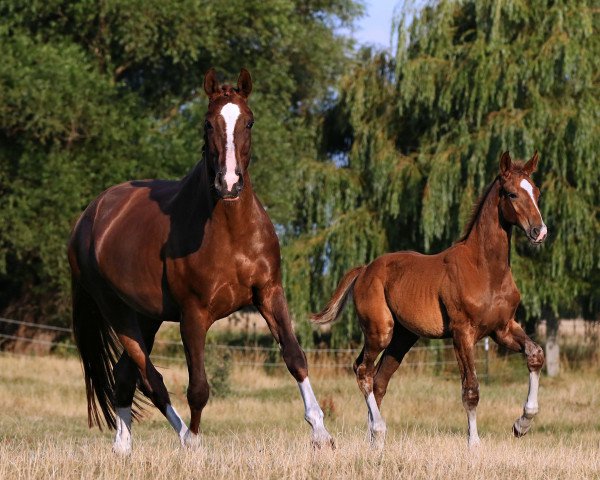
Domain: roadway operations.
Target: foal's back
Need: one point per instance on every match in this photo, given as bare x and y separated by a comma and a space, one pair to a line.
415, 287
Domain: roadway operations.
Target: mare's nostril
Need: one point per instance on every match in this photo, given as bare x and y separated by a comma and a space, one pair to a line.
535, 231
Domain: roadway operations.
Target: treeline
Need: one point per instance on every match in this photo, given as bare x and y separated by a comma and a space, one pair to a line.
355, 153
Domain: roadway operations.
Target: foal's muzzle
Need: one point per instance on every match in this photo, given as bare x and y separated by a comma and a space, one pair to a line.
226, 191
537, 234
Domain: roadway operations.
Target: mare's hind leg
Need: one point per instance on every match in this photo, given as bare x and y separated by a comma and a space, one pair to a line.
130, 335
402, 342
377, 325
272, 305
126, 376
514, 338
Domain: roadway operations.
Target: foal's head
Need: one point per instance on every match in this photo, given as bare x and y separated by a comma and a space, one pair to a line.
227, 131
519, 197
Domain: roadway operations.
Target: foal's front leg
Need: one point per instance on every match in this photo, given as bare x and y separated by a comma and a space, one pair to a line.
272, 305
514, 338
463, 348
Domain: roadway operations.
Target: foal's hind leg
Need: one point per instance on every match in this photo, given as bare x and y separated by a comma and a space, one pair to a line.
272, 305
402, 341
377, 324
126, 376
514, 338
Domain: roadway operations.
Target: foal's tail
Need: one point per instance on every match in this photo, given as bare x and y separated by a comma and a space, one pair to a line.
97, 345
338, 300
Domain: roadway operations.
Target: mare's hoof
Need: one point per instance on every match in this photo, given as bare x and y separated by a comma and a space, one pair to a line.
121, 450
474, 444
191, 441
519, 431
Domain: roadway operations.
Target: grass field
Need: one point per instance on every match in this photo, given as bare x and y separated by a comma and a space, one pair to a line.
259, 432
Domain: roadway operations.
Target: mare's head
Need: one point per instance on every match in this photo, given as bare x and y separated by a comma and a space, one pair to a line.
519, 197
227, 132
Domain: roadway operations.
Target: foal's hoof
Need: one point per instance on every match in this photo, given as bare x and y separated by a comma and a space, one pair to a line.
377, 439
322, 440
518, 430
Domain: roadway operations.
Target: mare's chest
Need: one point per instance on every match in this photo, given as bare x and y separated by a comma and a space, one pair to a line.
227, 265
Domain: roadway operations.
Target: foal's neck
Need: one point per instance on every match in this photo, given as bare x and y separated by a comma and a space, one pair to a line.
490, 238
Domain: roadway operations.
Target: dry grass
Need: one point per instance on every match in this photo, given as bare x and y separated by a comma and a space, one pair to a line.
258, 432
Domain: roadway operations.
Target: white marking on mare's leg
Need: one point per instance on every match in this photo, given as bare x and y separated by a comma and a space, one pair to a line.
377, 427
313, 414
122, 443
230, 113
185, 436
530, 409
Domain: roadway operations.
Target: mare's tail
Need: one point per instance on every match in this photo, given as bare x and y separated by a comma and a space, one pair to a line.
338, 300
97, 345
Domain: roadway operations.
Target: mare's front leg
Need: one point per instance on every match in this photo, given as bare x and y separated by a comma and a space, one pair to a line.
514, 338
464, 343
272, 305
194, 325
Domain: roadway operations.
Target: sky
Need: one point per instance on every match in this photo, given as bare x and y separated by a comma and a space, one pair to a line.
376, 26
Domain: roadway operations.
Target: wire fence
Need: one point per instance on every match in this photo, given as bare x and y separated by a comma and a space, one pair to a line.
437, 356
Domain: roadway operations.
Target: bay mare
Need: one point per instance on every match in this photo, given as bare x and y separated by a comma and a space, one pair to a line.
465, 293
190, 251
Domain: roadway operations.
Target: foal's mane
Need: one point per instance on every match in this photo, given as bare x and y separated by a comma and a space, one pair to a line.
477, 206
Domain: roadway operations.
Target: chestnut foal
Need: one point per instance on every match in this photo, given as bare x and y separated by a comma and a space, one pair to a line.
465, 293
189, 251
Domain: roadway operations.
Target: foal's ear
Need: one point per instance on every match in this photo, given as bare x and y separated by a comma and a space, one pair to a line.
531, 165
244, 84
505, 164
211, 84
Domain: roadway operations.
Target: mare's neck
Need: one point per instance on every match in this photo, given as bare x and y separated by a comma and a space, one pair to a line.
490, 236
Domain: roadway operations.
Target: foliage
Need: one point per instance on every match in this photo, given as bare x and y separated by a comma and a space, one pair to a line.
96, 93
417, 137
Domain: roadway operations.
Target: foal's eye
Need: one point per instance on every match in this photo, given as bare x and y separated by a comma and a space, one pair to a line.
207, 125
249, 124
512, 195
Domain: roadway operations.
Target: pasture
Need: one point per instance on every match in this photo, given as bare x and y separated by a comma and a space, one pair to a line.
258, 431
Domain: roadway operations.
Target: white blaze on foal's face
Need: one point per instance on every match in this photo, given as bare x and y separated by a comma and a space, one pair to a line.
526, 185
230, 113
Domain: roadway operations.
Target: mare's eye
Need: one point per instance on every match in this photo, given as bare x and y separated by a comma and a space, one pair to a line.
249, 124
512, 195
207, 125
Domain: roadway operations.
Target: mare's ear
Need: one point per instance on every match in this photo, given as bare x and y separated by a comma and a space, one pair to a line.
211, 84
505, 164
244, 83
531, 165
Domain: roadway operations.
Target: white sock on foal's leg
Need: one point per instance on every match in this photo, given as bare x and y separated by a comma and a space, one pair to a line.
474, 440
530, 409
314, 415
376, 424
122, 443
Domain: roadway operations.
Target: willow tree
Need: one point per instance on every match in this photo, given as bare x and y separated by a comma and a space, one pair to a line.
414, 139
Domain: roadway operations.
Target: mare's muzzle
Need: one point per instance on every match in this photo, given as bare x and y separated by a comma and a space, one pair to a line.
227, 188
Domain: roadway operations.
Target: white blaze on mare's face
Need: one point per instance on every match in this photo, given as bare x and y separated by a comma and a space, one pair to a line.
525, 185
230, 113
